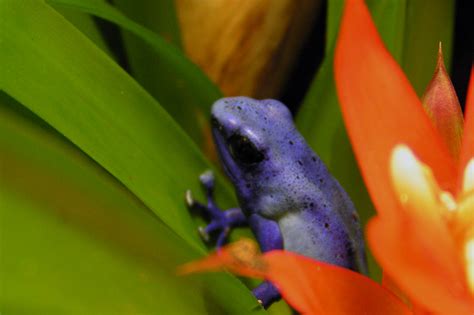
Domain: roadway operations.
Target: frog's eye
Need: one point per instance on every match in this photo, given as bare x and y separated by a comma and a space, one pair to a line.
243, 150
215, 123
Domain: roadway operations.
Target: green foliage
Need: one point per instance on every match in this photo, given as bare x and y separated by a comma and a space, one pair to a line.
179, 85
94, 162
146, 65
76, 241
103, 233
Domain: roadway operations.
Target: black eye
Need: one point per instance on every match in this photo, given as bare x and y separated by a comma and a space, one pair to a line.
215, 123
243, 150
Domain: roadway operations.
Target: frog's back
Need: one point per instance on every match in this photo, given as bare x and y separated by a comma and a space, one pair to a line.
325, 227
322, 222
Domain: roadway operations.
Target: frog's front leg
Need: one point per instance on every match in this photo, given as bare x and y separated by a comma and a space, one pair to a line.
221, 221
269, 237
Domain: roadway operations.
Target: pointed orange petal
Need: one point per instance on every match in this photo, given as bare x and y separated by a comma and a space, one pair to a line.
467, 151
314, 287
442, 105
311, 287
241, 257
381, 109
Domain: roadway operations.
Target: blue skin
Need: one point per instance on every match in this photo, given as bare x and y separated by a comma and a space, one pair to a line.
286, 194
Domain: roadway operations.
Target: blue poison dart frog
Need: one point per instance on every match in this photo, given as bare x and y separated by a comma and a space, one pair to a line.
285, 192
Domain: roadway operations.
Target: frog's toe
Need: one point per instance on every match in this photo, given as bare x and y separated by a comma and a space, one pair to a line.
195, 205
221, 226
189, 198
222, 239
204, 234
207, 180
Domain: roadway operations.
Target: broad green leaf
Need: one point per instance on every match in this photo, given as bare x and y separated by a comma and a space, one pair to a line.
158, 16
76, 241
181, 87
411, 31
85, 23
147, 66
52, 69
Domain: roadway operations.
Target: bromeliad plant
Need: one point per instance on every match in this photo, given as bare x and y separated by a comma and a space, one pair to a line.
420, 176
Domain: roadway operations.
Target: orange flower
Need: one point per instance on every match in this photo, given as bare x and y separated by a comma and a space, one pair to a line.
423, 234
420, 177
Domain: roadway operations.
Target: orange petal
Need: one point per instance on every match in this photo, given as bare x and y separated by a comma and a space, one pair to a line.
442, 105
415, 270
381, 109
311, 287
388, 283
427, 265
467, 151
314, 287
241, 257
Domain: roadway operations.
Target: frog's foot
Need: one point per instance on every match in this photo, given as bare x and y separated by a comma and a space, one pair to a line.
221, 221
266, 294
211, 209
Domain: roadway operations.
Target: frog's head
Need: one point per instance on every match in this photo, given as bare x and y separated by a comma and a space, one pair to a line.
246, 131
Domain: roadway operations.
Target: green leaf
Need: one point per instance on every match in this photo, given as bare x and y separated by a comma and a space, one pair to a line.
149, 68
57, 73
411, 31
86, 25
74, 87
428, 22
180, 86
158, 16
76, 241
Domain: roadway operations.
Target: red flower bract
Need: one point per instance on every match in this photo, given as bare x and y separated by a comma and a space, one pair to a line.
415, 245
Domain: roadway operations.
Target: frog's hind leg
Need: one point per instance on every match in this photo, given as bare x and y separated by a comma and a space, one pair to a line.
221, 221
266, 294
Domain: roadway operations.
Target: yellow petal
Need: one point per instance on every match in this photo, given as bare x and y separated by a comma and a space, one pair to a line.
414, 182
465, 232
415, 245
468, 179
469, 260
463, 223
